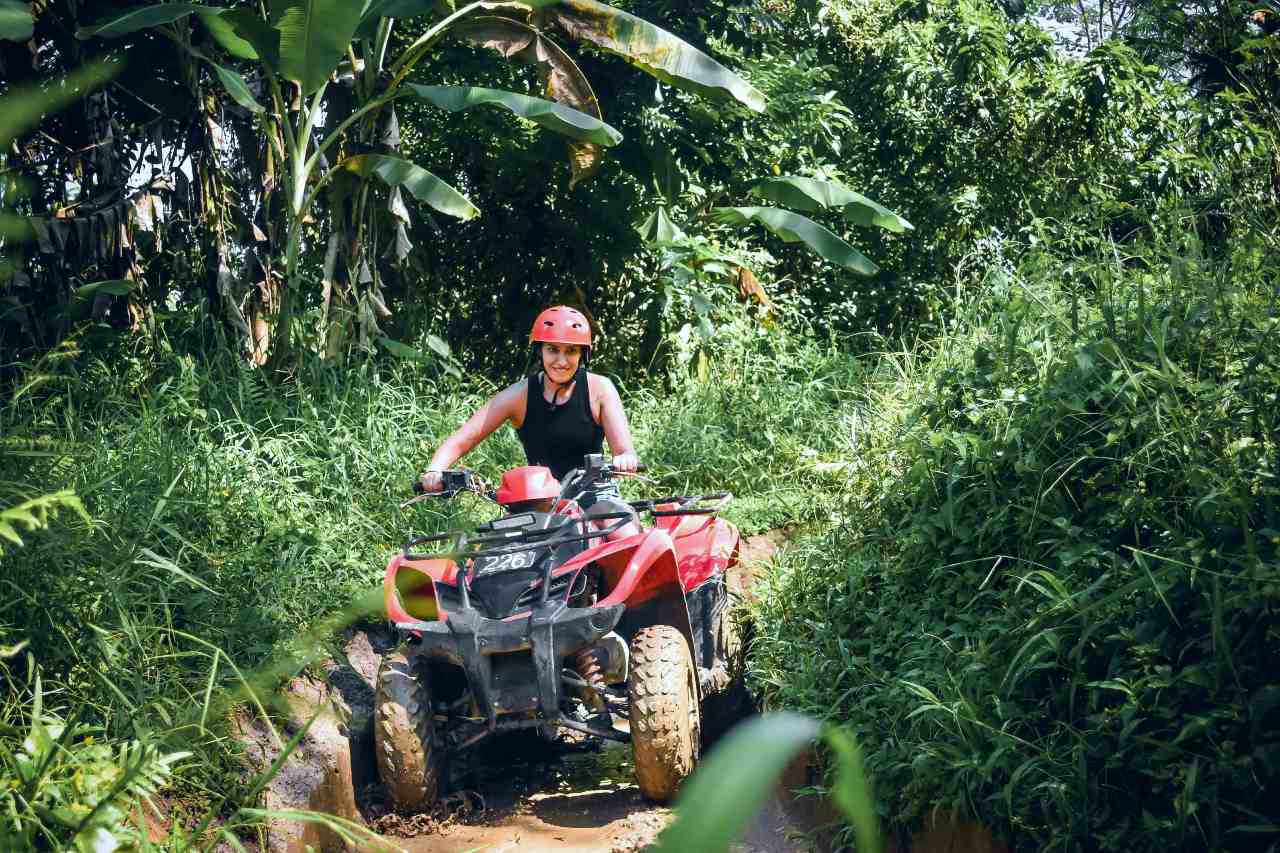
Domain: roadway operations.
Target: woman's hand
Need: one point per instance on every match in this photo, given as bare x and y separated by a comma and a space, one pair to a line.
432, 481
626, 463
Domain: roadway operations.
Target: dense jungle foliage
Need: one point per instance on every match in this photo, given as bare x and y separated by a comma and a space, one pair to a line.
1018, 400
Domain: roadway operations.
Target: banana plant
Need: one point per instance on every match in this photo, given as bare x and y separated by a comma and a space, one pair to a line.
810, 195
689, 260
300, 50
16, 23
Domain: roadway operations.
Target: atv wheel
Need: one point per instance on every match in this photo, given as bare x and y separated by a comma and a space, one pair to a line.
409, 759
728, 699
665, 721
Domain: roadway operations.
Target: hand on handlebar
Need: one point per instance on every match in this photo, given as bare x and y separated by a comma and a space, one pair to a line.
430, 481
626, 463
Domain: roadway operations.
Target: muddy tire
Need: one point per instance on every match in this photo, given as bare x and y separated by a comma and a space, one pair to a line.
409, 758
728, 700
666, 723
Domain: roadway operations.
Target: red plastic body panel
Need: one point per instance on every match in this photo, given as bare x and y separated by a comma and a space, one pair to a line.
684, 551
650, 567
419, 593
703, 549
528, 483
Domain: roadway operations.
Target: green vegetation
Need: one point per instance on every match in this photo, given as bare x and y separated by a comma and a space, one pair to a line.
1006, 351
1055, 578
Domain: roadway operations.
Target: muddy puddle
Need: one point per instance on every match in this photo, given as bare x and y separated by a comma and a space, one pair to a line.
520, 793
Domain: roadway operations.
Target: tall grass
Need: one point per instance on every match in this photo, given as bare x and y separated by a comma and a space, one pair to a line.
1054, 593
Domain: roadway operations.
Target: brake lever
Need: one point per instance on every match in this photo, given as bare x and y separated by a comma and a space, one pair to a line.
422, 497
636, 476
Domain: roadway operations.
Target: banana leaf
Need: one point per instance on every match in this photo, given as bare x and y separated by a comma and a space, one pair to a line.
549, 114
652, 49
314, 35
114, 287
424, 186
244, 35
794, 228
562, 79
139, 18
810, 194
658, 228
236, 88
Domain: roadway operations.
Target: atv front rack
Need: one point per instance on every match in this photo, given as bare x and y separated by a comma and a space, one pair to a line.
512, 534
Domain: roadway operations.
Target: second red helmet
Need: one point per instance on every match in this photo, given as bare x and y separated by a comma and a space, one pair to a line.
561, 325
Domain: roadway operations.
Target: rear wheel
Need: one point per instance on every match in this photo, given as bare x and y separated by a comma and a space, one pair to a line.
728, 699
666, 726
409, 758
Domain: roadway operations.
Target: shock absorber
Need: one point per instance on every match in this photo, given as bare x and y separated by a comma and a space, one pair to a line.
588, 666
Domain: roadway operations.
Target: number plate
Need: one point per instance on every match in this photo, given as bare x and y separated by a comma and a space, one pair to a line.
506, 562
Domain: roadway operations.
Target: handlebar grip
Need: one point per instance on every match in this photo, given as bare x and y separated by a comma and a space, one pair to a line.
417, 486
642, 468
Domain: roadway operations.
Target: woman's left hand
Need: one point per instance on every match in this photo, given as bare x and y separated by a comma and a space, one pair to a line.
626, 463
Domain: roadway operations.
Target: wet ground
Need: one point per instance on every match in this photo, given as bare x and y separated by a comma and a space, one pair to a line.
524, 795
521, 793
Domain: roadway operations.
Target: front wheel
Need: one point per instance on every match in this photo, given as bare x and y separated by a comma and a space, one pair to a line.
666, 727
409, 758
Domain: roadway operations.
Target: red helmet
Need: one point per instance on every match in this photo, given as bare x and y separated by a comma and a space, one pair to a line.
561, 325
529, 483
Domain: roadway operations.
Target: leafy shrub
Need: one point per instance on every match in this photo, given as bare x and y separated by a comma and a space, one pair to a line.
1054, 598
62, 789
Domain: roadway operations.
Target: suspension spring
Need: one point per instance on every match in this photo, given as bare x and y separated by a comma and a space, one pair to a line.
588, 666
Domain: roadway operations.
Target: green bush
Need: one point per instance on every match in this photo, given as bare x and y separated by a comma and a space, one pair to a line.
1053, 601
63, 789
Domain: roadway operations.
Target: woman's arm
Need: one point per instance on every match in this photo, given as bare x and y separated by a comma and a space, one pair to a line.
506, 405
616, 429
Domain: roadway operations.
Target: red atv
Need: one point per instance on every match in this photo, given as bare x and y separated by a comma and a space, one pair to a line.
529, 620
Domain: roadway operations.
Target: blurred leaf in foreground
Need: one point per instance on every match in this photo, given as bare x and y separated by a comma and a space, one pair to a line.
24, 107
733, 781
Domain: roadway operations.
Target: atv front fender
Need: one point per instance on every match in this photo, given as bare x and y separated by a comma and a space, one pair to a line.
649, 569
408, 590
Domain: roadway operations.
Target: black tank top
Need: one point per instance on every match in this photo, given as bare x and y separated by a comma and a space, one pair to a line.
559, 436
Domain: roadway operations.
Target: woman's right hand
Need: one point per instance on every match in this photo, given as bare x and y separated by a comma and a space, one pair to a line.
432, 481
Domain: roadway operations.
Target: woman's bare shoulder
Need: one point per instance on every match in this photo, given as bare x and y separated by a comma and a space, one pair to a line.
517, 387
507, 404
596, 382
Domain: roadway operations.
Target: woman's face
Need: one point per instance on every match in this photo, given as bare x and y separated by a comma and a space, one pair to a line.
560, 361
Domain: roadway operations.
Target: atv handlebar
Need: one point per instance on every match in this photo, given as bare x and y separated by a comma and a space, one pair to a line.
454, 481
595, 471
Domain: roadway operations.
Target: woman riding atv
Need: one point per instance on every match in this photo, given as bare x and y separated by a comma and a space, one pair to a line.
561, 412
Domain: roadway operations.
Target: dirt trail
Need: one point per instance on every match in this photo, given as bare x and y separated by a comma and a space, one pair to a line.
521, 794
